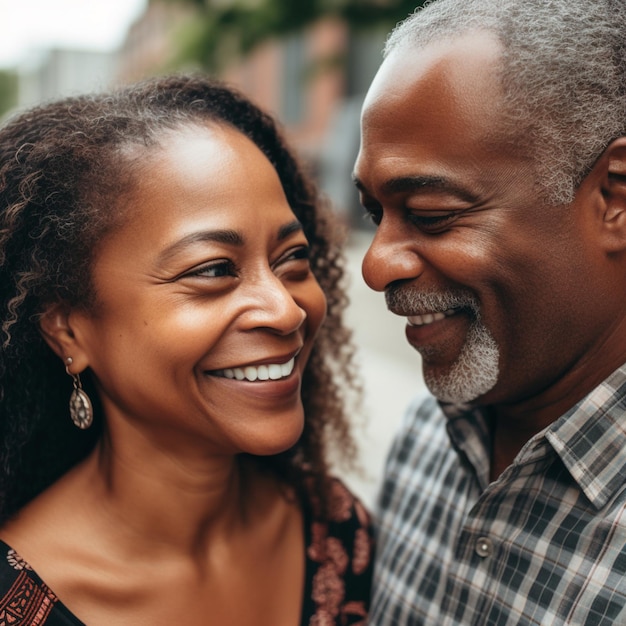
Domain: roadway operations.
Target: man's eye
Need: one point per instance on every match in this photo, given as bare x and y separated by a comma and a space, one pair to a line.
432, 223
373, 215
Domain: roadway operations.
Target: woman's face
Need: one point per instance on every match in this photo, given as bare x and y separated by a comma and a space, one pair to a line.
206, 305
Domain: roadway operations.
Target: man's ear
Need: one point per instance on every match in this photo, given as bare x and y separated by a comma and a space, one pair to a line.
613, 181
59, 330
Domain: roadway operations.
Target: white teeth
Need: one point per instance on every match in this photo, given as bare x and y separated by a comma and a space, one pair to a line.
428, 318
275, 371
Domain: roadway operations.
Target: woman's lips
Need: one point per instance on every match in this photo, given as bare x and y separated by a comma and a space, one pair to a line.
252, 373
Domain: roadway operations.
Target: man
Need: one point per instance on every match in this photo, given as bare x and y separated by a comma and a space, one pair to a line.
493, 162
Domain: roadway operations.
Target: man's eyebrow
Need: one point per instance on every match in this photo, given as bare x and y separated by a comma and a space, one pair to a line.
417, 183
228, 237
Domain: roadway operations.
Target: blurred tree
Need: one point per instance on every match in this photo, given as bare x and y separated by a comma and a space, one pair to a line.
8, 91
224, 27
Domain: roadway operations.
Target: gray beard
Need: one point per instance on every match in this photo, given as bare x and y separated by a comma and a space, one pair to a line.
476, 370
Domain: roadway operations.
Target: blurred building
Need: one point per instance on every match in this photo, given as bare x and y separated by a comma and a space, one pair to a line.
312, 81
49, 74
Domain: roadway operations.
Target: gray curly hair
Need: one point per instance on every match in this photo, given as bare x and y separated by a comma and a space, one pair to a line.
563, 75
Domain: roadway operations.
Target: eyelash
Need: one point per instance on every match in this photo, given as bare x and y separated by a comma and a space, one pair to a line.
431, 222
427, 223
294, 263
302, 252
225, 264
225, 267
373, 216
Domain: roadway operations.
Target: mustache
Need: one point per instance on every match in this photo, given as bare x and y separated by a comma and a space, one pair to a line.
405, 300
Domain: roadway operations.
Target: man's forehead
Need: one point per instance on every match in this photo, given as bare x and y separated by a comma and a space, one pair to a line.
436, 112
459, 62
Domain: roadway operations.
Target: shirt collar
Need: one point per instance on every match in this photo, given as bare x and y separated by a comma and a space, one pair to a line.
590, 439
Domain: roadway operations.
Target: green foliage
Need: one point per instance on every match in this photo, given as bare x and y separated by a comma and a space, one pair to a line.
223, 28
8, 91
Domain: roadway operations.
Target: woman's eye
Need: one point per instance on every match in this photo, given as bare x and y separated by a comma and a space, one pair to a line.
302, 252
295, 259
295, 254
215, 269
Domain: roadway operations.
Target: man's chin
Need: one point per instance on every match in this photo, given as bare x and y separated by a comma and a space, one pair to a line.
453, 393
473, 374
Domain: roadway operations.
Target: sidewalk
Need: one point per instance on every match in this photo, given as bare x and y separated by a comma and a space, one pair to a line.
390, 368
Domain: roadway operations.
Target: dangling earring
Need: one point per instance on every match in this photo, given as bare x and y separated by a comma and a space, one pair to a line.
81, 410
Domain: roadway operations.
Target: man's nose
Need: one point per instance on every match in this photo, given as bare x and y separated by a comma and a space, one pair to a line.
391, 257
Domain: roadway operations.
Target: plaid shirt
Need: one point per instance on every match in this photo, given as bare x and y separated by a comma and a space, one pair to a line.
544, 544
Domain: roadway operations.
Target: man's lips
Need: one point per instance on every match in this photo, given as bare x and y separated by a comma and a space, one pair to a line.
428, 318
444, 334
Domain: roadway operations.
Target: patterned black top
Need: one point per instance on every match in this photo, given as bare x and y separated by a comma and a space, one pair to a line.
337, 582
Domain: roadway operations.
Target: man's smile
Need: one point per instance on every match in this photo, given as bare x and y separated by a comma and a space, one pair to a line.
429, 318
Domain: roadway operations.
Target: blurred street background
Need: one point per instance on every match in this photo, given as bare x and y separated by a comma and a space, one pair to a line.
390, 368
308, 63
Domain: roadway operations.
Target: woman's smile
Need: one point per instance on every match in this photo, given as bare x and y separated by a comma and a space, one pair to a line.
208, 303
263, 372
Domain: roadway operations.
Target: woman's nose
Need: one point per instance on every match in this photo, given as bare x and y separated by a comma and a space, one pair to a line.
273, 307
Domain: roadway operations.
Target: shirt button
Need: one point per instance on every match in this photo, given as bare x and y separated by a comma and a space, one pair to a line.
484, 547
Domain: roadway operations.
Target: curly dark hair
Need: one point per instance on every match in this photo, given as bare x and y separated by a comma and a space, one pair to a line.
64, 168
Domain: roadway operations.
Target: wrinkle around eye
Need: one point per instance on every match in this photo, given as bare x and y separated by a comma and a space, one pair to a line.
297, 252
295, 264
433, 223
218, 269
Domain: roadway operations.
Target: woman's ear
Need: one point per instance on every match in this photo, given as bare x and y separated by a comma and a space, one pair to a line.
613, 162
56, 325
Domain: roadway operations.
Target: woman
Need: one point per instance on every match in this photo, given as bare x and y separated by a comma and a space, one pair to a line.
161, 251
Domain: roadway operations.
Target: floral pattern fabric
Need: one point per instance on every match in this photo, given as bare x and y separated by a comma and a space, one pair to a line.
338, 562
337, 579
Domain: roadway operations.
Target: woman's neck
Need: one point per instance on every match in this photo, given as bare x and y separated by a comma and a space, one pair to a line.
178, 502
162, 535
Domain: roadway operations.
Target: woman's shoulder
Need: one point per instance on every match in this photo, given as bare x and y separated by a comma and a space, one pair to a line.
24, 597
22, 592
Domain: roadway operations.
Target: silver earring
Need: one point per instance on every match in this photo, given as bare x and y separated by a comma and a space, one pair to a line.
81, 410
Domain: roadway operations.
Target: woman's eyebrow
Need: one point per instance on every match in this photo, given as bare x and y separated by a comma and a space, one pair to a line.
225, 236
289, 229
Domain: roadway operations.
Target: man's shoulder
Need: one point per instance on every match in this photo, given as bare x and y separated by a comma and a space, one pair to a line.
421, 443
423, 421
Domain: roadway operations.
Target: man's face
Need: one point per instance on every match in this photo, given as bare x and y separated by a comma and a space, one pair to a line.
500, 290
